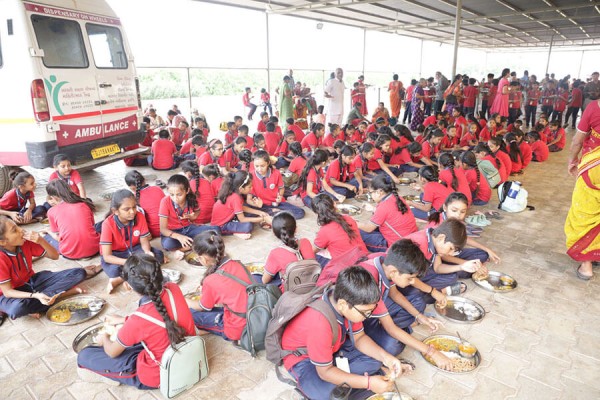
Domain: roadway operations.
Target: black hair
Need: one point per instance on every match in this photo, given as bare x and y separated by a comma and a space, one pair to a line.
270, 127
534, 135
263, 155
21, 178
514, 151
258, 137
296, 149
318, 157
383, 182
404, 132
434, 133
323, 206
211, 170
429, 173
209, 243
497, 140
468, 158
240, 140
245, 157
243, 128
356, 286
117, 199
233, 182
381, 140
373, 136
164, 134
452, 197
135, 178
60, 158
273, 119
191, 166
366, 148
317, 127
455, 232
346, 151
142, 272
59, 188
146, 120
198, 140
414, 148
406, 256
483, 147
446, 160
182, 181
284, 229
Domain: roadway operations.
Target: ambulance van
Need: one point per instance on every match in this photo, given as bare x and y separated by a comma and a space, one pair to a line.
67, 85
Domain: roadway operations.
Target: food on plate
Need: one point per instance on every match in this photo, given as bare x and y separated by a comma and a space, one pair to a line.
256, 268
462, 365
60, 315
480, 274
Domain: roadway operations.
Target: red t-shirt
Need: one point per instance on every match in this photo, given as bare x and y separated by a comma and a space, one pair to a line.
298, 131
515, 99
540, 150
526, 153
148, 139
432, 119
466, 139
297, 165
267, 187
506, 162
246, 99
423, 239
207, 158
548, 97
463, 184
533, 95
357, 137
206, 199
150, 198
333, 238
271, 142
459, 123
470, 95
485, 192
14, 200
74, 224
137, 330
265, 97
329, 140
372, 164
516, 166
560, 103
436, 194
371, 265
223, 213
72, 180
485, 134
359, 164
576, 97
316, 177
448, 142
17, 268
174, 213
261, 127
335, 171
178, 136
282, 256
282, 149
123, 237
428, 151
163, 151
218, 289
249, 141
310, 142
231, 157
186, 147
392, 224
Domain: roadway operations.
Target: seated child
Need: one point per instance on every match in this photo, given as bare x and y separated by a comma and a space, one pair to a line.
163, 153
214, 155
312, 141
481, 193
339, 176
271, 139
377, 164
283, 150
557, 137
433, 193
243, 132
311, 180
490, 165
231, 157
362, 173
64, 170
14, 202
539, 149
453, 178
514, 153
202, 189
148, 198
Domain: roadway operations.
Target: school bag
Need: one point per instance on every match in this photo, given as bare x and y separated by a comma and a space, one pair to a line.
333, 268
301, 275
261, 300
180, 367
289, 306
513, 197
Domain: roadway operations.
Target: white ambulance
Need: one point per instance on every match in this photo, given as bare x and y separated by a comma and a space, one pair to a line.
68, 84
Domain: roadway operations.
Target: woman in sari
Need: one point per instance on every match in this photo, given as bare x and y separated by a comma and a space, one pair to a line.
452, 95
395, 87
362, 95
418, 113
500, 104
582, 226
286, 103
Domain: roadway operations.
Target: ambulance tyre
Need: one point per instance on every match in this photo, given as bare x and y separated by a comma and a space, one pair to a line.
7, 174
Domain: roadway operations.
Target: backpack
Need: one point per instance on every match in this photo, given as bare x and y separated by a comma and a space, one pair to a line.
512, 197
300, 275
181, 367
333, 268
289, 306
261, 300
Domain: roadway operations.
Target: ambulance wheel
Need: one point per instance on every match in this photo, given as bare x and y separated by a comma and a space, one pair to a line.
5, 180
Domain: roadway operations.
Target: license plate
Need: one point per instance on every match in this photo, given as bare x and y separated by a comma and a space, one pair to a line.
105, 151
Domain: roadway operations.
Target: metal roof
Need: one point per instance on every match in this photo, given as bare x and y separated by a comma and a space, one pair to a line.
485, 23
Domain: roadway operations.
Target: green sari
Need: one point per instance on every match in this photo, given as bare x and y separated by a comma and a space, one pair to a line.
286, 104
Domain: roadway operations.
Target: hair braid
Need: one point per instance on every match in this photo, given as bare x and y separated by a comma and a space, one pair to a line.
399, 203
175, 332
288, 239
211, 244
139, 184
197, 179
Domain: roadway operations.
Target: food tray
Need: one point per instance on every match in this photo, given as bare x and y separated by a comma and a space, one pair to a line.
348, 209
390, 396
411, 197
194, 296
256, 267
192, 258
498, 282
87, 337
450, 352
365, 198
171, 275
461, 310
73, 310
405, 181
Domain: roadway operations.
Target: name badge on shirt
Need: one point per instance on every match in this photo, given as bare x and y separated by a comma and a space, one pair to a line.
136, 233
272, 186
343, 364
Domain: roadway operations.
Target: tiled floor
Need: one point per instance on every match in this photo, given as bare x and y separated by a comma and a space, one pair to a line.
538, 342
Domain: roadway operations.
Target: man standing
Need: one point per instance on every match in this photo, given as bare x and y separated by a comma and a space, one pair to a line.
334, 91
441, 85
591, 91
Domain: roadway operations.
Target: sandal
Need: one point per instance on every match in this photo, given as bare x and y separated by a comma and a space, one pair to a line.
92, 270
160, 184
457, 288
582, 276
493, 214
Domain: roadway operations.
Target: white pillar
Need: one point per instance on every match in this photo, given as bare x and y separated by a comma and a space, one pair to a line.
456, 37
549, 53
580, 64
268, 55
364, 49
421, 61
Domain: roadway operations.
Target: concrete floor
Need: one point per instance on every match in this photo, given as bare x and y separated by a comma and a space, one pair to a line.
538, 342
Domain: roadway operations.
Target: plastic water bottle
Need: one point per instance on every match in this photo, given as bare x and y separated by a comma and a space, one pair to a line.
515, 187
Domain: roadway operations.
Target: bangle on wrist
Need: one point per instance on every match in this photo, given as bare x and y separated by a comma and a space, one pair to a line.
432, 289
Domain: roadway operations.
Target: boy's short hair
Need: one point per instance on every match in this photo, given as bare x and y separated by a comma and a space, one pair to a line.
263, 90
237, 118
198, 119
196, 132
185, 123
146, 120
198, 140
211, 170
230, 124
264, 114
290, 121
554, 123
356, 286
455, 232
172, 113
406, 256
239, 140
289, 133
259, 137
164, 134
270, 127
274, 119
243, 128
519, 122
60, 157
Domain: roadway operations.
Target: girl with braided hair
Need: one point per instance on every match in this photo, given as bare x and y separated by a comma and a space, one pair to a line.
498, 150
392, 219
289, 250
337, 233
490, 165
148, 197
480, 188
202, 189
433, 193
125, 360
218, 289
454, 178
339, 174
178, 212
311, 180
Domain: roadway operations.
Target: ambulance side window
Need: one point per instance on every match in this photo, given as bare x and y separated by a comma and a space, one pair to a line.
61, 41
107, 46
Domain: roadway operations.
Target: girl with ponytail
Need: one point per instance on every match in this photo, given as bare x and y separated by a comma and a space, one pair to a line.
335, 133
289, 250
311, 180
202, 189
366, 152
218, 289
514, 152
433, 193
453, 178
339, 176
337, 233
148, 198
431, 145
313, 140
479, 186
496, 145
493, 170
125, 360
392, 219
177, 212
377, 164
214, 155
228, 212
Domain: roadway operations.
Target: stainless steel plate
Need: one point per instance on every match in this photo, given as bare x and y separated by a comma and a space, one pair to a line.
194, 296
461, 310
451, 351
390, 396
405, 181
193, 259
73, 310
366, 198
171, 275
87, 337
256, 267
348, 209
498, 282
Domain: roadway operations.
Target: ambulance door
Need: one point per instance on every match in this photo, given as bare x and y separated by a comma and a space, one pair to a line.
115, 80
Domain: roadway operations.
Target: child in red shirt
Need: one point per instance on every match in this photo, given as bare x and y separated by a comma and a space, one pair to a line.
488, 131
514, 153
71, 220
243, 132
231, 155
262, 124
148, 198
560, 103
450, 140
470, 94
433, 196
430, 146
64, 170
181, 134
298, 132
163, 153
202, 189
265, 101
538, 147
283, 150
525, 148
311, 180
271, 139
335, 133
312, 141
557, 138
481, 192
214, 155
454, 178
469, 139
496, 145
14, 202
162, 308
514, 102
339, 176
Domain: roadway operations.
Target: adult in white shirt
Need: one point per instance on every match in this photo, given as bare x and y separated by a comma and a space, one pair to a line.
334, 91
